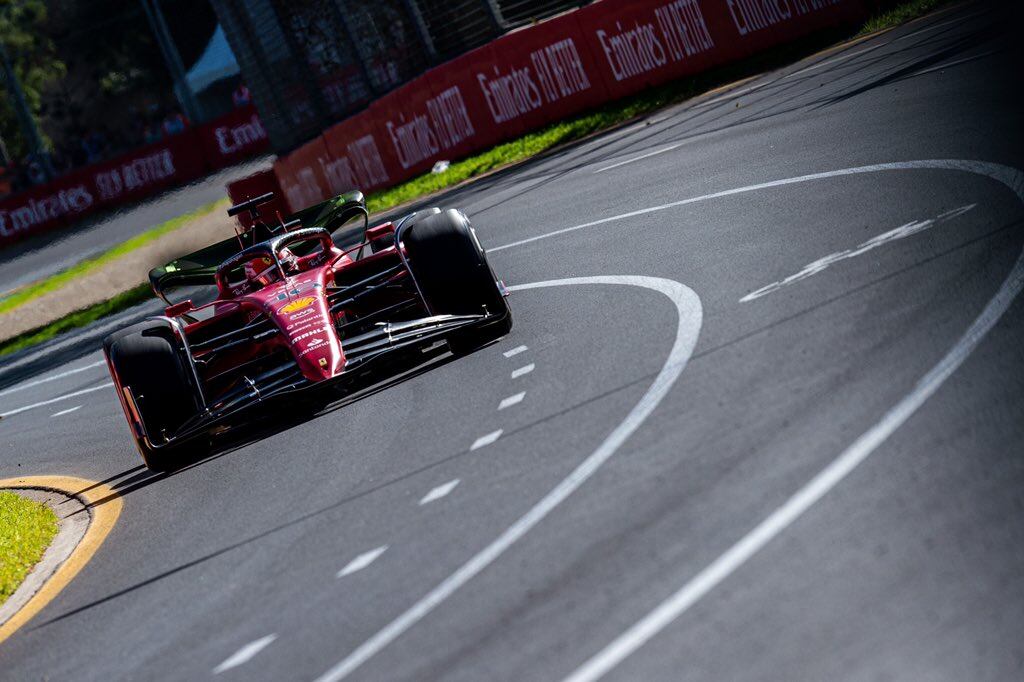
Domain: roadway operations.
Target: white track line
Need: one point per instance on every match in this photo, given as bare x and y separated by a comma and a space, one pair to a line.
439, 492
977, 167
515, 351
67, 411
362, 561
780, 519
56, 400
512, 400
640, 158
688, 327
486, 440
245, 654
689, 308
516, 373
30, 384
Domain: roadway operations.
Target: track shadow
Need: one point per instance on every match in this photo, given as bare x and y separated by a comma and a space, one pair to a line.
274, 417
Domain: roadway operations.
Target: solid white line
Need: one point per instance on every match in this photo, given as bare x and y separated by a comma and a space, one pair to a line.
690, 309
30, 384
640, 158
515, 351
516, 373
512, 400
439, 492
780, 519
688, 327
67, 411
978, 167
245, 654
486, 440
57, 399
362, 561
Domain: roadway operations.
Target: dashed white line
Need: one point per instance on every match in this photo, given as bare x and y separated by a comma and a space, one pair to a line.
688, 327
515, 351
486, 440
362, 561
640, 158
690, 315
512, 400
67, 411
828, 478
56, 400
439, 492
245, 654
55, 377
523, 370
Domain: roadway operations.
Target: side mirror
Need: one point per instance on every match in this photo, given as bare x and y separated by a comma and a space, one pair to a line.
179, 309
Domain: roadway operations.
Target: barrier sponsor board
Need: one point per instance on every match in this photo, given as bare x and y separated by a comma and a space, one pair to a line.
543, 73
359, 157
236, 136
302, 175
138, 174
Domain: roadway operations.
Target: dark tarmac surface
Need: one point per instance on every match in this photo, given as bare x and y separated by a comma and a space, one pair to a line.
908, 567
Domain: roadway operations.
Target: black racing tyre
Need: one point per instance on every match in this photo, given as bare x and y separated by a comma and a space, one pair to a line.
147, 360
452, 271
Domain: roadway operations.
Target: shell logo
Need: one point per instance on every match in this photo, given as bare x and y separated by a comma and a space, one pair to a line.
297, 304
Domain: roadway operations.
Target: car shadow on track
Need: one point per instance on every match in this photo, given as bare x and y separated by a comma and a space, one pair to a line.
277, 416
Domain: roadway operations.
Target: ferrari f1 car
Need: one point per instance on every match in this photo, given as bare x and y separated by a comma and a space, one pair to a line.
292, 310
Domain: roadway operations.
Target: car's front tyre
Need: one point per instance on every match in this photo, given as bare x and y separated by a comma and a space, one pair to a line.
455, 277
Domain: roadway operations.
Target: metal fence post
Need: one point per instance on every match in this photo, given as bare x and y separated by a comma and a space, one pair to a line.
421, 28
494, 12
173, 59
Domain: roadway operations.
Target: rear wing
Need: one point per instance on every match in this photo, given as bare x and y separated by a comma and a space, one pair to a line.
200, 268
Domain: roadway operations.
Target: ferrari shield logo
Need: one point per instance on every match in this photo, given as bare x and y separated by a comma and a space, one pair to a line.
298, 304
323, 362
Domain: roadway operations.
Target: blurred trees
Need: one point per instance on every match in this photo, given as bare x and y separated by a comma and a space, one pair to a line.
34, 60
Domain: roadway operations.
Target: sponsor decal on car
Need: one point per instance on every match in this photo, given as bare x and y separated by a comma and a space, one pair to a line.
297, 304
306, 335
302, 314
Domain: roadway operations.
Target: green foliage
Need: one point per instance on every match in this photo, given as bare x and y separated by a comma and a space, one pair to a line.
26, 530
77, 319
901, 13
32, 55
65, 277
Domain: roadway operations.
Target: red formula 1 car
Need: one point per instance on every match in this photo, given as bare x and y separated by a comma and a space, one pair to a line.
293, 311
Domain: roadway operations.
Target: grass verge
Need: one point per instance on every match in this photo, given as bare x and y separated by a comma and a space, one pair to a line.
504, 154
901, 13
26, 530
64, 277
79, 318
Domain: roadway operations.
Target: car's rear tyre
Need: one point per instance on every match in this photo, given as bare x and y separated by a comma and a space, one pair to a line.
146, 360
452, 271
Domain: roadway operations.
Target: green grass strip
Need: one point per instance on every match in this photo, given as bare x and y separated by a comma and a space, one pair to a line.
79, 318
63, 278
504, 154
900, 14
26, 530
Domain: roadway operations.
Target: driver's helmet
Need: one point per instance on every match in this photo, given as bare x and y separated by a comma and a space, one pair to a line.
259, 270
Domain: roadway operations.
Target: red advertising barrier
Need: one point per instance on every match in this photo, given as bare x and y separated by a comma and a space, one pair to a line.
543, 73
361, 155
302, 175
138, 174
256, 185
233, 137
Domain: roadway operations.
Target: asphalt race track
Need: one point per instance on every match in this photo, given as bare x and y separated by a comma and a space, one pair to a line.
761, 419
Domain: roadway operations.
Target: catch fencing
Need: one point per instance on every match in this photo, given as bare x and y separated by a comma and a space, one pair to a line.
531, 77
311, 63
